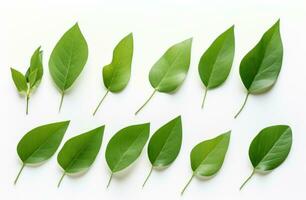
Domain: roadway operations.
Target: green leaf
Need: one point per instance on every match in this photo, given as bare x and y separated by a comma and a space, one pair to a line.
207, 157
19, 81
269, 149
170, 71
216, 63
164, 146
68, 59
117, 74
36, 66
39, 144
126, 146
79, 152
260, 68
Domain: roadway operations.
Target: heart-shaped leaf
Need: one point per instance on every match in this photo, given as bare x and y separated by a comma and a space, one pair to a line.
269, 149
40, 144
260, 68
165, 144
207, 157
216, 63
79, 152
117, 74
68, 59
170, 71
125, 147
27, 83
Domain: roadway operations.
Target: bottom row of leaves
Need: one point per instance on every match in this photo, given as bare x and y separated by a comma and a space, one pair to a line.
267, 151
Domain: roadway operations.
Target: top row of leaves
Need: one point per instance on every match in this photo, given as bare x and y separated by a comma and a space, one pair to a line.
259, 69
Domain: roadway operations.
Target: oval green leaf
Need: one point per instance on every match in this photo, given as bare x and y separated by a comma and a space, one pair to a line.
40, 144
170, 71
117, 74
126, 146
216, 63
20, 81
208, 156
260, 68
79, 152
165, 144
270, 148
68, 59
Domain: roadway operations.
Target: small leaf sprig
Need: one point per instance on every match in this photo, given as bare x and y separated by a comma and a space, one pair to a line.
27, 83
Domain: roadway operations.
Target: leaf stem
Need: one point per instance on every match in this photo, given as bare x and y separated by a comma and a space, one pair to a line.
151, 170
60, 181
27, 104
187, 184
145, 102
18, 175
100, 103
253, 172
205, 94
245, 100
61, 103
110, 180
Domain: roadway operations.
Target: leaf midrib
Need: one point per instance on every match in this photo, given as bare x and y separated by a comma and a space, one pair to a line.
69, 65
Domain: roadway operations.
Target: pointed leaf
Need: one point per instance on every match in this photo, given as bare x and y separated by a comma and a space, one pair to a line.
19, 81
32, 78
216, 63
169, 72
79, 152
117, 74
68, 58
41, 143
35, 65
207, 157
126, 146
165, 144
270, 147
260, 68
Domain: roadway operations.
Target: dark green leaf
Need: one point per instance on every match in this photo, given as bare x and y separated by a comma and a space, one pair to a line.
216, 63
164, 146
41, 143
79, 152
260, 68
270, 148
68, 59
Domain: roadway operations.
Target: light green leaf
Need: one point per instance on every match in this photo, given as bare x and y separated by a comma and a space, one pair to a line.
269, 149
165, 144
117, 74
170, 71
79, 152
35, 65
125, 147
68, 59
19, 81
40, 144
207, 157
260, 68
216, 63
32, 78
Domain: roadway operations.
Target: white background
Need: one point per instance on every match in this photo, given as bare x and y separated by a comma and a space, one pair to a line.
156, 25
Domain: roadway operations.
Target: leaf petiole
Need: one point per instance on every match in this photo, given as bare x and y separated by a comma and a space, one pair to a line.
27, 103
246, 98
60, 181
145, 102
100, 103
253, 172
23, 165
205, 94
110, 180
61, 103
151, 170
187, 184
